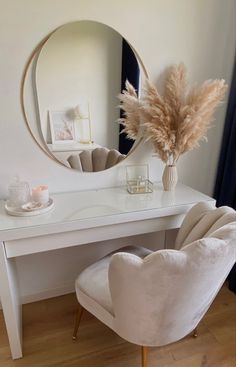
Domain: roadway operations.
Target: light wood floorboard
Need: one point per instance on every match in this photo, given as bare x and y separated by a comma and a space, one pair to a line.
48, 328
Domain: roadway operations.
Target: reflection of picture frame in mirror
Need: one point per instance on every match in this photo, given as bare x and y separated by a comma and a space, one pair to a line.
62, 128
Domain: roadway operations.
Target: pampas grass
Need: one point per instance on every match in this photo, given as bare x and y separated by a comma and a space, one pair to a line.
176, 121
130, 104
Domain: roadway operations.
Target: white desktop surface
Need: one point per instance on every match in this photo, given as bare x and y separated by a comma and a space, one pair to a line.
83, 206
70, 147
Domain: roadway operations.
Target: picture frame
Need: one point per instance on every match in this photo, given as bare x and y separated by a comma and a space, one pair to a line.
62, 128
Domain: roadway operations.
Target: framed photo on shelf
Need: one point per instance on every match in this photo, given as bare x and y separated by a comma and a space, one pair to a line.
62, 128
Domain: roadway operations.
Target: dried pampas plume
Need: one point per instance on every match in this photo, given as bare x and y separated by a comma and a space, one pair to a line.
130, 104
176, 121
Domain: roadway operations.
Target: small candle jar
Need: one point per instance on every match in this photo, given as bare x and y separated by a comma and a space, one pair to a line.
40, 194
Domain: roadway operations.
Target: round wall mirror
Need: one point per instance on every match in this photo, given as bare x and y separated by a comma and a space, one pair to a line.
70, 95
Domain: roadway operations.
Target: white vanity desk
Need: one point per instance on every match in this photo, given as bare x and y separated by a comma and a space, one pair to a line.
80, 218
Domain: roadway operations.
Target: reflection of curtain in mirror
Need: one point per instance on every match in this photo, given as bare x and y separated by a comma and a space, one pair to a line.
130, 71
225, 187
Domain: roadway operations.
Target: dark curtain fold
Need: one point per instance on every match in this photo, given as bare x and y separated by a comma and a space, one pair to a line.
225, 187
130, 71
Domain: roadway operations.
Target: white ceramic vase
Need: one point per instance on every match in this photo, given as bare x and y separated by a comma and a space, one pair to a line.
169, 177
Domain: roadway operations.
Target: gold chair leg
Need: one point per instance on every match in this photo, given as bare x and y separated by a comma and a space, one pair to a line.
77, 322
144, 356
195, 333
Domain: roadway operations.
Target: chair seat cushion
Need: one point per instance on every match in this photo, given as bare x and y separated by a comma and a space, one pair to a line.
93, 281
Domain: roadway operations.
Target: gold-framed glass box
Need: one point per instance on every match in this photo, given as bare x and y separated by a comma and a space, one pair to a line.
137, 179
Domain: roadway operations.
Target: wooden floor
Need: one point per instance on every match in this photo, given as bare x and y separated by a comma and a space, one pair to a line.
48, 327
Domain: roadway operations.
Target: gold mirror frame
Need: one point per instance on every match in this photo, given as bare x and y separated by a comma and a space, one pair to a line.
37, 50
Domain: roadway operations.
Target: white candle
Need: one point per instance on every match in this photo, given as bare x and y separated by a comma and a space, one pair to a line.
40, 194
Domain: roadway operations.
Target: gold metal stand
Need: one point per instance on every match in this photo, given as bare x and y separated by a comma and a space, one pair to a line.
77, 322
144, 356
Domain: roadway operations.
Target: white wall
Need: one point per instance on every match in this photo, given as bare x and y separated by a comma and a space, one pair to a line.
81, 64
199, 32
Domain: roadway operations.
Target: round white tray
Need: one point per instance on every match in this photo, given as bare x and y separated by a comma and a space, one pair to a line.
19, 212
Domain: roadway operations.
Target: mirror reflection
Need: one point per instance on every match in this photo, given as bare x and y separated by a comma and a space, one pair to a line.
78, 73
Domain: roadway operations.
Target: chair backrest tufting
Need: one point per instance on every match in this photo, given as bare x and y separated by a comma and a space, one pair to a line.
202, 221
95, 160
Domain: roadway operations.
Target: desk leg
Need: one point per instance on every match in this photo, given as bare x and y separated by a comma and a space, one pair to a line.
10, 303
170, 237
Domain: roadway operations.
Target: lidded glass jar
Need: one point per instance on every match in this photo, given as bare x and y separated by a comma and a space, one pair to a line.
19, 192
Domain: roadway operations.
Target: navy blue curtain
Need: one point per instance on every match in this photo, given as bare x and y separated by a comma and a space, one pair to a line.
130, 71
225, 188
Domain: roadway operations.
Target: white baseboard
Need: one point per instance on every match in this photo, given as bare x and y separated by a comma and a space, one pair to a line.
48, 293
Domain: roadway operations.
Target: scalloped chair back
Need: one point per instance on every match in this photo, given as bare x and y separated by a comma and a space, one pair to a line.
95, 160
156, 298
